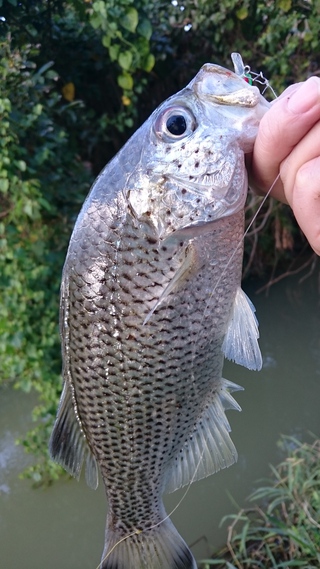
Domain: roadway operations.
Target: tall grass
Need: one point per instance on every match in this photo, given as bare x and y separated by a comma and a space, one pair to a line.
282, 528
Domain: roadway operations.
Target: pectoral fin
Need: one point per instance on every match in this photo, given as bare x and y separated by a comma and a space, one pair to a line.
210, 447
241, 340
177, 278
68, 445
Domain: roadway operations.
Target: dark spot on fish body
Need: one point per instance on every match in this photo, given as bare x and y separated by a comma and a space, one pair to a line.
126, 276
151, 240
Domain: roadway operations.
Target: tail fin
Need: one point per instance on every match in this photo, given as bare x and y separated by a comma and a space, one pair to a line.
160, 547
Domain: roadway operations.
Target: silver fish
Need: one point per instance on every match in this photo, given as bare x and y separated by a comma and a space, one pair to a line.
150, 304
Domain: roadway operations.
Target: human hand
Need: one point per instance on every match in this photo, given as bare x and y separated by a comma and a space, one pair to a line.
288, 143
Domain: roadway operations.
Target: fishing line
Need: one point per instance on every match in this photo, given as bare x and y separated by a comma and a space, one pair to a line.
241, 241
219, 280
249, 76
168, 516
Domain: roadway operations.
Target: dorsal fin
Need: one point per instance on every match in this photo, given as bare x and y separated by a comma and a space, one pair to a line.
68, 445
241, 340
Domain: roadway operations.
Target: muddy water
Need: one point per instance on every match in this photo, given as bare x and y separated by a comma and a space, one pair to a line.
62, 527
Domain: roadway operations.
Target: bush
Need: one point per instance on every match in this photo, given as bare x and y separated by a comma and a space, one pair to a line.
39, 173
283, 530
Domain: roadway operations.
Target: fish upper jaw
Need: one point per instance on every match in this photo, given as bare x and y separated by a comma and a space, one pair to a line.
224, 87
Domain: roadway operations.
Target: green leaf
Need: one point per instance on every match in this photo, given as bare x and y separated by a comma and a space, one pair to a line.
285, 5
143, 47
113, 52
21, 165
28, 208
4, 185
130, 20
149, 63
242, 13
129, 122
37, 109
144, 28
100, 8
125, 60
106, 41
96, 21
125, 81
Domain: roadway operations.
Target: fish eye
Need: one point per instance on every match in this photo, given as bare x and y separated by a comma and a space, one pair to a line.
175, 123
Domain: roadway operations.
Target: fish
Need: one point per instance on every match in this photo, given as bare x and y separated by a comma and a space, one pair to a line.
151, 304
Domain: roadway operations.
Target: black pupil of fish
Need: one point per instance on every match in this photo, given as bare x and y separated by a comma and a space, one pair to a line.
176, 124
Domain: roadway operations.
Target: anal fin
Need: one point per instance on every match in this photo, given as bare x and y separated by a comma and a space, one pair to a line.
68, 446
209, 447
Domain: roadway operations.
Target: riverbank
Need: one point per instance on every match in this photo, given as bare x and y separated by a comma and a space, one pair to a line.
281, 528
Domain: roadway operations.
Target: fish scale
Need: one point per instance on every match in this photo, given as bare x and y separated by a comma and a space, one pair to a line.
150, 302
166, 364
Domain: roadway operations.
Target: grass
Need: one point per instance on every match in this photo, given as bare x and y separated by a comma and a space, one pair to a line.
282, 528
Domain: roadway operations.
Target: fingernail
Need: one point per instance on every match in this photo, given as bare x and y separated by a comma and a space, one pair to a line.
305, 97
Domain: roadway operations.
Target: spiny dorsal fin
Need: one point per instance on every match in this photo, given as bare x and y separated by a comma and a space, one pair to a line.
68, 445
241, 340
210, 447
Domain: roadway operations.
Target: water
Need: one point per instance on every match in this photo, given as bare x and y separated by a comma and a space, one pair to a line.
63, 526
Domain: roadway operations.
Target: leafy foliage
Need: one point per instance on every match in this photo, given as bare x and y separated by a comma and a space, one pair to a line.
283, 530
37, 181
77, 77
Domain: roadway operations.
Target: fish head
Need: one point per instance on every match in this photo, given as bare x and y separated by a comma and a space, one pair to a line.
191, 168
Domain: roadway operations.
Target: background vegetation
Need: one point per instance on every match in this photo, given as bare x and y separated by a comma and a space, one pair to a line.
77, 78
281, 528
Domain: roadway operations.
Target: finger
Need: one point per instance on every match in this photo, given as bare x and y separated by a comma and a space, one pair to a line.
282, 127
306, 150
304, 198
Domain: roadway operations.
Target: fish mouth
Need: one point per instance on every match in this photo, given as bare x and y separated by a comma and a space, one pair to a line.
224, 87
